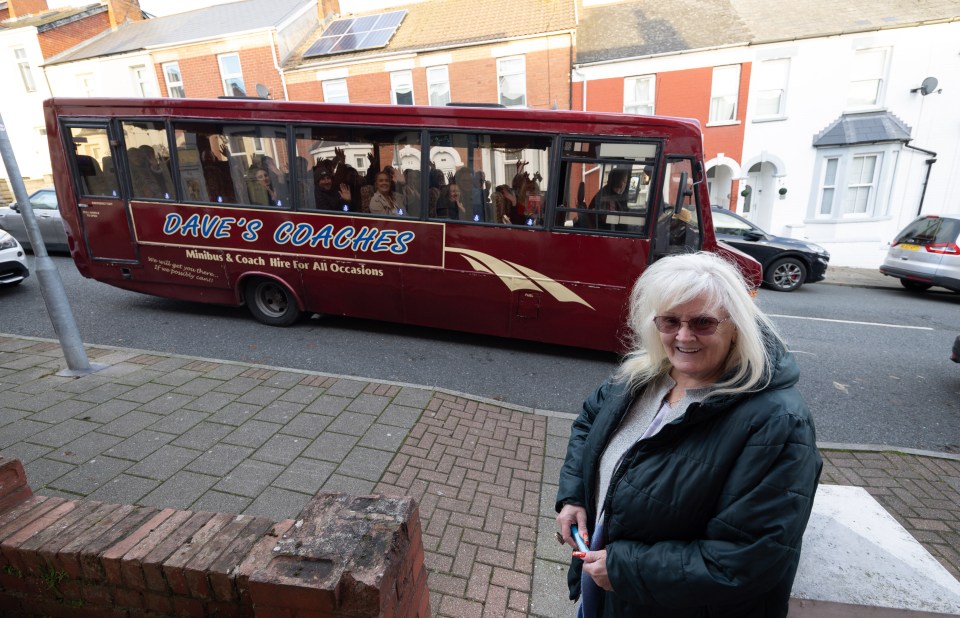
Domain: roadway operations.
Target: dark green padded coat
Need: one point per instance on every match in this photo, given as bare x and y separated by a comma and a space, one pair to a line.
706, 517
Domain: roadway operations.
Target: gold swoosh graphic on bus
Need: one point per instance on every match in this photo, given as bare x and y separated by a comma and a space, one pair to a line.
517, 277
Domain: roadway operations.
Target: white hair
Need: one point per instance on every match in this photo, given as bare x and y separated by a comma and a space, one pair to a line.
675, 280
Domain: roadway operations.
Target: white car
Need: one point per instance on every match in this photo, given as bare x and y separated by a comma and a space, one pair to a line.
13, 266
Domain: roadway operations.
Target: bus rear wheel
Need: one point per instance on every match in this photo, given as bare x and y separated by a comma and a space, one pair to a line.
271, 302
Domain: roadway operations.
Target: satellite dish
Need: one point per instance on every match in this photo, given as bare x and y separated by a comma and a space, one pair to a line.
929, 85
264, 93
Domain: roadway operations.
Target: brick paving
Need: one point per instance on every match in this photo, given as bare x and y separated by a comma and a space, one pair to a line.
166, 431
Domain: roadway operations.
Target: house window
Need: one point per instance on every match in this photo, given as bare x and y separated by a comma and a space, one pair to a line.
438, 85
638, 95
171, 73
512, 81
861, 181
141, 81
231, 75
724, 93
867, 78
26, 71
401, 88
771, 80
828, 186
850, 181
335, 91
88, 84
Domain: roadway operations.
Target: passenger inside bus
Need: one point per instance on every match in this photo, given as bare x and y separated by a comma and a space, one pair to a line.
328, 198
260, 188
386, 201
449, 204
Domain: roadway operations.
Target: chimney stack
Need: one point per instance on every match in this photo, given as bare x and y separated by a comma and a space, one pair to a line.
20, 8
122, 10
326, 8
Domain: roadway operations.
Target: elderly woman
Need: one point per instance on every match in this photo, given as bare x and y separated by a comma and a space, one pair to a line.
694, 467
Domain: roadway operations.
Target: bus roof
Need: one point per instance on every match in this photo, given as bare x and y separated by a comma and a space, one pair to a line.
534, 120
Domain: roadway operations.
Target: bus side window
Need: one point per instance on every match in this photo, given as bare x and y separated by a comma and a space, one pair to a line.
91, 152
490, 178
606, 187
148, 159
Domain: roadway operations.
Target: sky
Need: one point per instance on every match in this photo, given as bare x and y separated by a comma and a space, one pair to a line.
154, 7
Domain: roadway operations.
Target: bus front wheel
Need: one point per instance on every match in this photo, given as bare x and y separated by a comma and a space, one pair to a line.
271, 302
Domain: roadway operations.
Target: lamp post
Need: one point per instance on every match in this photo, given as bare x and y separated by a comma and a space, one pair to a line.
51, 286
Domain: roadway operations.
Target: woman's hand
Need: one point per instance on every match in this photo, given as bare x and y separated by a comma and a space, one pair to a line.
595, 565
345, 191
571, 515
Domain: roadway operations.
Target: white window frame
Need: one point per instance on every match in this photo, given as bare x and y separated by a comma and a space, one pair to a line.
173, 84
505, 71
226, 76
26, 71
401, 82
335, 91
724, 90
88, 84
865, 76
855, 185
845, 187
631, 103
141, 81
828, 185
438, 77
772, 78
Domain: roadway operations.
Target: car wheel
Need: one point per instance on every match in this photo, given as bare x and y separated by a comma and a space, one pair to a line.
271, 302
786, 274
915, 286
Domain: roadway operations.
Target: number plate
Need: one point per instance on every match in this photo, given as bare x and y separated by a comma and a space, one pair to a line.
909, 247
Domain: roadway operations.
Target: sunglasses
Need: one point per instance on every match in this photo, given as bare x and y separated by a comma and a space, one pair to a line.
702, 325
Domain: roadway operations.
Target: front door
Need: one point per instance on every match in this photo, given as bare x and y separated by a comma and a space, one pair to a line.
104, 215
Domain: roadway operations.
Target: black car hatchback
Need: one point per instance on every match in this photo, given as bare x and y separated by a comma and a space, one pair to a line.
787, 263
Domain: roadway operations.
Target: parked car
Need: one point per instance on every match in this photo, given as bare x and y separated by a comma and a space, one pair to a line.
787, 263
926, 253
13, 265
44, 202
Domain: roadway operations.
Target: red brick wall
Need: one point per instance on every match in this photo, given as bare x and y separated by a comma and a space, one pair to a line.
473, 78
54, 41
201, 73
683, 93
72, 558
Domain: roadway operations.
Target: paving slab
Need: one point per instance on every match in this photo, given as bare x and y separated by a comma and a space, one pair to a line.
170, 431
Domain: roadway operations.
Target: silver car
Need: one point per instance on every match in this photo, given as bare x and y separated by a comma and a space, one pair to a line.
926, 253
44, 203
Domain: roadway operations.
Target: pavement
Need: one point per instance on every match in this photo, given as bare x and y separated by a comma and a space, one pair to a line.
159, 429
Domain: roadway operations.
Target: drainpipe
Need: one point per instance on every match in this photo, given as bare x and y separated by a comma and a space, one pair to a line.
276, 64
926, 179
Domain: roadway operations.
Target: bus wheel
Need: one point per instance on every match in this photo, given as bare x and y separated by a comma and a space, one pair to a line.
786, 275
271, 302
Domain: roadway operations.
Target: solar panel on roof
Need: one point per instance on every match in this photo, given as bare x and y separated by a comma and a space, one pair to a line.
356, 33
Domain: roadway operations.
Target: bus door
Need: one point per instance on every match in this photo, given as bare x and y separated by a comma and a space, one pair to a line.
601, 235
104, 216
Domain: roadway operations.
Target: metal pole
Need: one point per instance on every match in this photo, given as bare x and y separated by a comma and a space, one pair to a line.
51, 286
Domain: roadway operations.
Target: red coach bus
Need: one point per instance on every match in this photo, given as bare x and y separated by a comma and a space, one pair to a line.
515, 223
